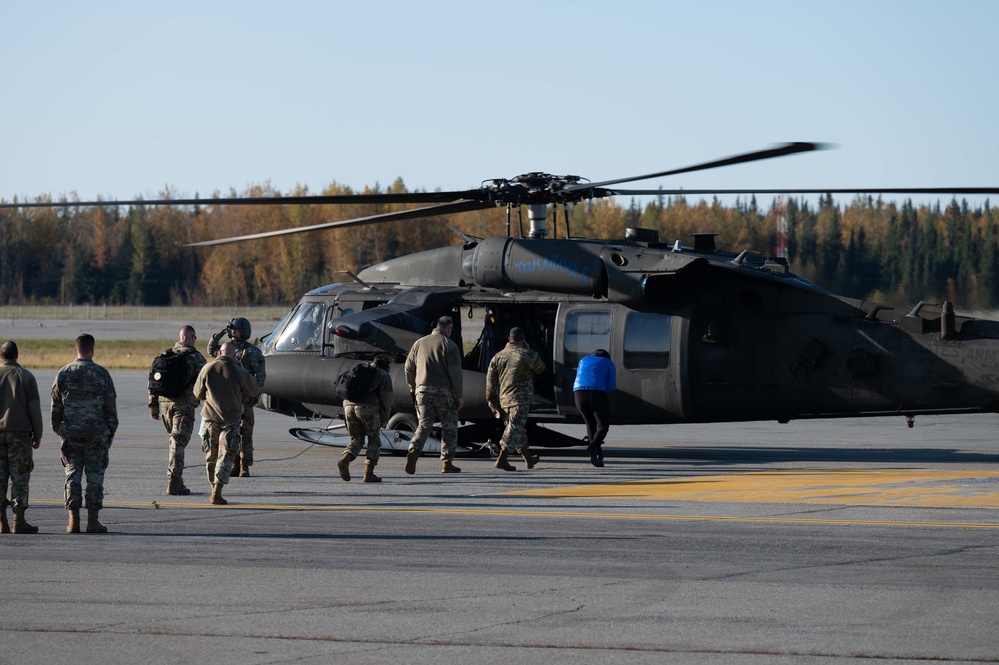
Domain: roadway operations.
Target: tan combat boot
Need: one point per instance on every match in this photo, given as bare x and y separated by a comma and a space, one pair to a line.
176, 487
369, 473
448, 467
20, 524
530, 459
411, 458
217, 499
344, 465
93, 524
236, 467
247, 461
4, 525
502, 464
74, 520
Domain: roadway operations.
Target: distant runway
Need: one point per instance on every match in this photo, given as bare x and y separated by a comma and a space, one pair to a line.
824, 541
27, 328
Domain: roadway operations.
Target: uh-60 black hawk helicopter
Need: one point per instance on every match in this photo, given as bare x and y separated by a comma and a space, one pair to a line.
698, 334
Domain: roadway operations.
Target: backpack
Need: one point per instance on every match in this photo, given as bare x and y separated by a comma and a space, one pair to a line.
168, 375
356, 383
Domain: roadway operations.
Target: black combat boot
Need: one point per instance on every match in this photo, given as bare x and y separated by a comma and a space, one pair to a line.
530, 459
502, 464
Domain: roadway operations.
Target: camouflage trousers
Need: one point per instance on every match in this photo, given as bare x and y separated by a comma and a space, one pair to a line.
514, 439
88, 455
434, 407
364, 421
246, 432
178, 421
221, 445
15, 466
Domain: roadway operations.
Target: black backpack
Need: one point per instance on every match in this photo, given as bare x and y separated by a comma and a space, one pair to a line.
356, 383
168, 375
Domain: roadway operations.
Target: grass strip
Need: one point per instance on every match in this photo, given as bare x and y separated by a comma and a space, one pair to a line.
113, 354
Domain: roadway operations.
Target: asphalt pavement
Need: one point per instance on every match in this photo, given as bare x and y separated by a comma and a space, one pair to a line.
819, 542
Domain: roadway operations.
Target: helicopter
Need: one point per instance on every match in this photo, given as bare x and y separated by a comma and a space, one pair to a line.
698, 334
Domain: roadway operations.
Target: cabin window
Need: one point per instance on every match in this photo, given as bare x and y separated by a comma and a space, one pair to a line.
304, 331
646, 341
585, 332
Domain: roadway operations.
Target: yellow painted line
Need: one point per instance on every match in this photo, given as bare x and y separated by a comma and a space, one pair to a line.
541, 513
892, 487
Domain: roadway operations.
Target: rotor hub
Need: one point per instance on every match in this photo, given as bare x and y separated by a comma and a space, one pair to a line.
534, 188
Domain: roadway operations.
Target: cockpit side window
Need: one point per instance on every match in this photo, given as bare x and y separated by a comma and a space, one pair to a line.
304, 331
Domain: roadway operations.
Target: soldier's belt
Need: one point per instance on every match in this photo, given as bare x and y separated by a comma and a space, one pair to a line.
435, 390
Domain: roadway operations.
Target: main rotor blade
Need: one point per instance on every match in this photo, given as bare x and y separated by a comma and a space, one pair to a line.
320, 199
858, 190
770, 153
447, 209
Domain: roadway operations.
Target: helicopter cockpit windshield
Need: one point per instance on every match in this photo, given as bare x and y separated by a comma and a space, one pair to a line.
304, 330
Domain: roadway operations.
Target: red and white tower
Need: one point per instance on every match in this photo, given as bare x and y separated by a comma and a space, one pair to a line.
780, 216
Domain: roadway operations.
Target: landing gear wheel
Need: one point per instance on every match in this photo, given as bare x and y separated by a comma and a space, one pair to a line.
405, 422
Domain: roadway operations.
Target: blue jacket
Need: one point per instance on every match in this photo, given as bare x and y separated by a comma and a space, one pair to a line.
595, 373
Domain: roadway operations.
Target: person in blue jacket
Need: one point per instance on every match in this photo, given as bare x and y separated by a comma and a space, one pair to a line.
596, 377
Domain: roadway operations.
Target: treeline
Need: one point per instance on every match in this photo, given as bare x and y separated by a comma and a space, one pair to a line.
869, 248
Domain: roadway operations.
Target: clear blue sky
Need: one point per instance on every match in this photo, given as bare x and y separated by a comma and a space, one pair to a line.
121, 99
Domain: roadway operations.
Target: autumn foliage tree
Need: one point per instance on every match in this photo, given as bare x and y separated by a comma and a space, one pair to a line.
869, 248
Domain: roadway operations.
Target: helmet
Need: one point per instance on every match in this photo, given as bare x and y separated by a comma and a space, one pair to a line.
242, 325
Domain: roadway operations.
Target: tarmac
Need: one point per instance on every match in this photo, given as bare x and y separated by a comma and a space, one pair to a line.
815, 541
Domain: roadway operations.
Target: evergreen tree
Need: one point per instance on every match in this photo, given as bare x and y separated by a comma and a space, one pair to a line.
901, 253
633, 216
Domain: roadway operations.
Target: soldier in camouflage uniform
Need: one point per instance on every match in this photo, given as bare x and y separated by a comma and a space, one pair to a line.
225, 388
85, 416
177, 413
365, 419
433, 372
509, 389
20, 431
252, 359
